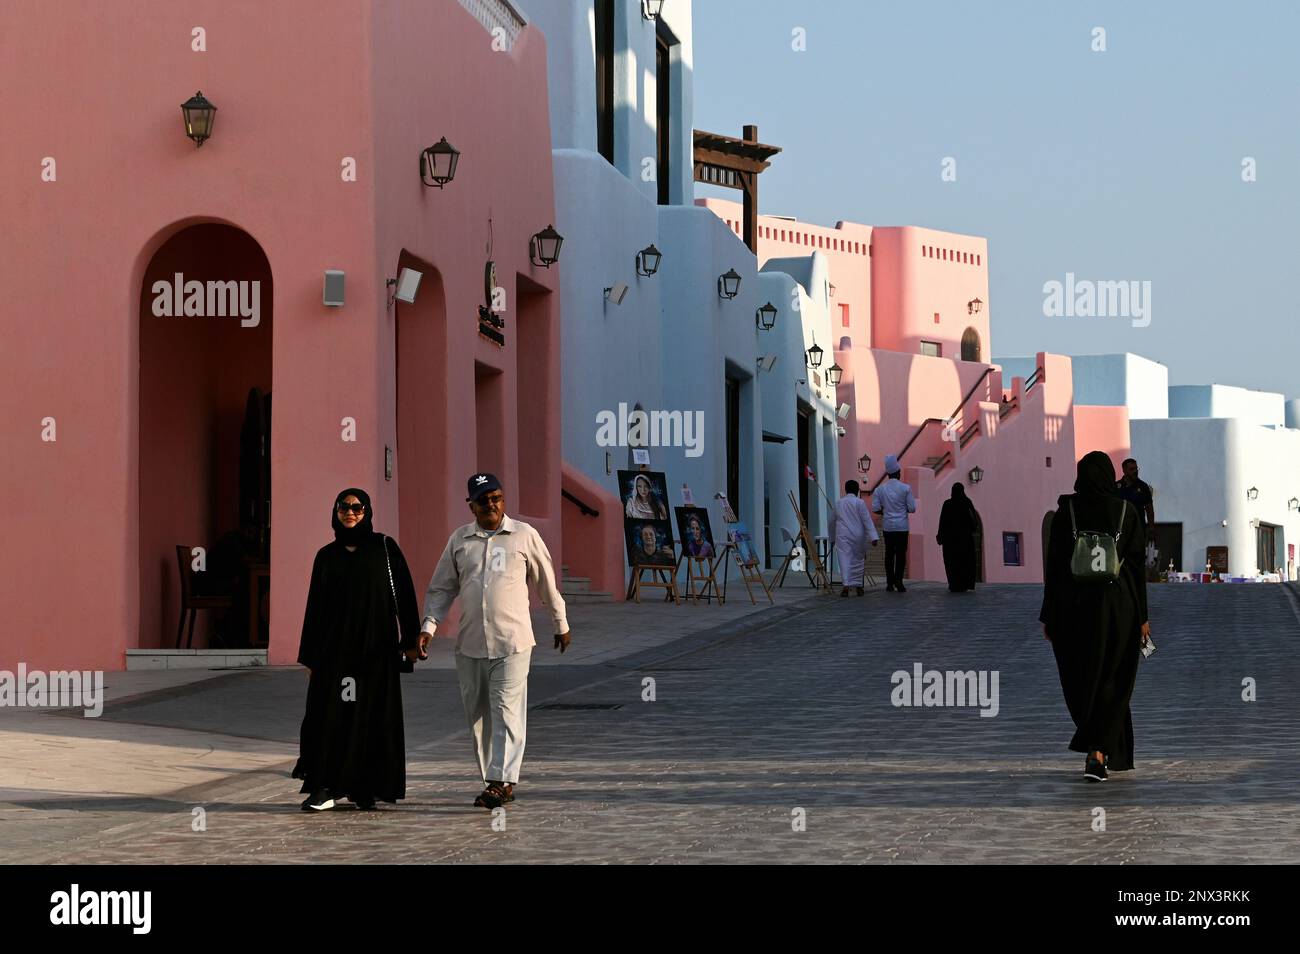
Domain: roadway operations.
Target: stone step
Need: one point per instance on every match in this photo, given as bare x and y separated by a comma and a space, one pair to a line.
587, 596
575, 584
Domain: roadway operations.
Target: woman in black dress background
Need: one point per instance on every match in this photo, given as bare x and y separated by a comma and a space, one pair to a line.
957, 521
352, 744
1097, 629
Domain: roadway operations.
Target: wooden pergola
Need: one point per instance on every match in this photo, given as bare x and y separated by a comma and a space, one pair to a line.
735, 164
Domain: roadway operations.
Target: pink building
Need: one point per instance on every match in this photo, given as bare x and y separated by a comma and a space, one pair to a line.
129, 433
910, 306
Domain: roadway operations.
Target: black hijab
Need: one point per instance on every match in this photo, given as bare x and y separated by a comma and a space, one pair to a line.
960, 498
361, 533
1096, 475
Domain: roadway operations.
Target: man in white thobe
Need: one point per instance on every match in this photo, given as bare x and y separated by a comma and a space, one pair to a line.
851, 527
489, 564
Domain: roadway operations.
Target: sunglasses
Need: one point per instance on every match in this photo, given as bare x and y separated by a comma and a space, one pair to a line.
356, 508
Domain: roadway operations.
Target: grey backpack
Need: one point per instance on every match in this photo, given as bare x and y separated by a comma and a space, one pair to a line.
1096, 556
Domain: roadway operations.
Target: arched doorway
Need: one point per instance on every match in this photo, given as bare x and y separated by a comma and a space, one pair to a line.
970, 345
206, 320
422, 457
979, 548
1047, 535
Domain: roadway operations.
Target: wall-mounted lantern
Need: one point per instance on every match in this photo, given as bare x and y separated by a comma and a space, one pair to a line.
199, 115
1293, 503
544, 247
832, 290
815, 355
647, 260
864, 463
438, 163
833, 375
728, 284
650, 9
973, 306
765, 316
976, 474
1252, 493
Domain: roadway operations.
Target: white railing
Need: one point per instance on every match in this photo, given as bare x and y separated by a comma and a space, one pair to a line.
494, 14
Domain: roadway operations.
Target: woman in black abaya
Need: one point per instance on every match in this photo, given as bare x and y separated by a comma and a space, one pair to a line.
1097, 629
352, 743
957, 537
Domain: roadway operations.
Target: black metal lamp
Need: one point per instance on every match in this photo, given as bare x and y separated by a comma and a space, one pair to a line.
864, 463
199, 116
833, 374
1252, 493
1293, 503
815, 356
647, 260
973, 306
976, 474
729, 284
544, 247
765, 316
650, 9
438, 163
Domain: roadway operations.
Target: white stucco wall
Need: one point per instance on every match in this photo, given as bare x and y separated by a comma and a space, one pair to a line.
569, 28
1202, 468
1221, 400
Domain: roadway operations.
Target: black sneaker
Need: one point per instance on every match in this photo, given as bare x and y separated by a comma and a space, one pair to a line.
902, 588
364, 803
1094, 771
321, 801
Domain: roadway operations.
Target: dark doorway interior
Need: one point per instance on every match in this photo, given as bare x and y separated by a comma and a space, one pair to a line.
1266, 548
804, 438
205, 439
733, 446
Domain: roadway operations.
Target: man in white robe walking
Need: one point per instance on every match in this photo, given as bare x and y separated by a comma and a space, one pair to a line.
851, 527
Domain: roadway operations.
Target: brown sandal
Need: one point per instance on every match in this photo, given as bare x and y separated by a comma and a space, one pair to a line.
495, 795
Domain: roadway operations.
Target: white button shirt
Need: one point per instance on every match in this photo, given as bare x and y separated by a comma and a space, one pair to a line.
490, 573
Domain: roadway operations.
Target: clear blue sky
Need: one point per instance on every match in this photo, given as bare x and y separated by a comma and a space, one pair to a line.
1122, 165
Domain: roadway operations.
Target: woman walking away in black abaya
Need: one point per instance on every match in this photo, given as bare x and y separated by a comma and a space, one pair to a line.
957, 522
1095, 613
352, 743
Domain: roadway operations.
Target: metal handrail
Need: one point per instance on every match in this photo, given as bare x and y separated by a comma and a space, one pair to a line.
587, 511
935, 420
1033, 379
969, 434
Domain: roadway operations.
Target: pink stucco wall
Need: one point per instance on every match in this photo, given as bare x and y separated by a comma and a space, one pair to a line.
1104, 429
296, 96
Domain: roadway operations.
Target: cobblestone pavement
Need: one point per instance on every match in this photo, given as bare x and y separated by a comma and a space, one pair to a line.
752, 722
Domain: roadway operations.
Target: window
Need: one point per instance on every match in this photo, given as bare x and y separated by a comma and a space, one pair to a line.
977, 259
605, 79
1012, 549
936, 317
931, 348
664, 42
844, 315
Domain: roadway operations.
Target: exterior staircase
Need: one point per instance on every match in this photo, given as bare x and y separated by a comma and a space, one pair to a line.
577, 589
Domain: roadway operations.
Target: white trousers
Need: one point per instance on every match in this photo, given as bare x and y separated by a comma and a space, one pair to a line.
495, 695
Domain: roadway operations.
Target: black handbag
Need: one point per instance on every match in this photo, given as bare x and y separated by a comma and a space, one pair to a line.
405, 663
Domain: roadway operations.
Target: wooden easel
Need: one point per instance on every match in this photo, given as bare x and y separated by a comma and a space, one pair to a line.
817, 574
700, 570
665, 578
795, 544
750, 573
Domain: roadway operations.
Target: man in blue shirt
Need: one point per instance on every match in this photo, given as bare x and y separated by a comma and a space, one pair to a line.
893, 499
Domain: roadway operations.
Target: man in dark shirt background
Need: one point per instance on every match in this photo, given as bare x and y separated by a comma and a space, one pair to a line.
1139, 493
